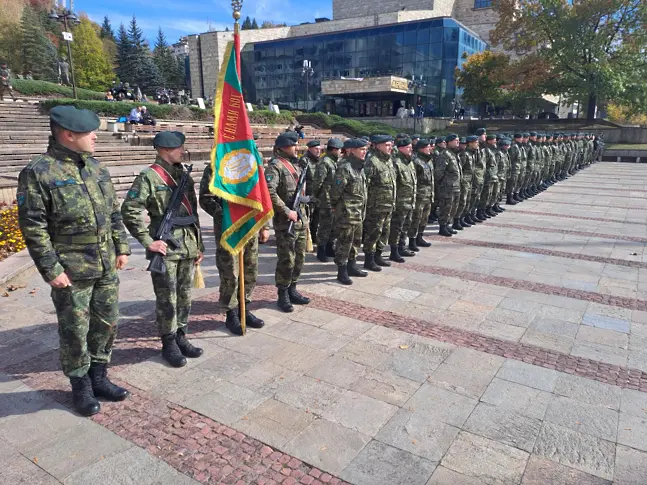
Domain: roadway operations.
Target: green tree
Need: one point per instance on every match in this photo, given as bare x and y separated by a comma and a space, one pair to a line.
247, 24
482, 77
38, 52
254, 24
106, 29
164, 60
594, 50
124, 54
11, 33
92, 68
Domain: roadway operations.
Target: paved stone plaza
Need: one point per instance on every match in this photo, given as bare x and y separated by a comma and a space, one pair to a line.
513, 353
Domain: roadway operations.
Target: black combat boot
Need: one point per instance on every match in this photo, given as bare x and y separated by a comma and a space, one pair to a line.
498, 208
510, 200
421, 242
252, 321
321, 254
404, 252
413, 245
353, 270
457, 224
369, 262
284, 300
516, 197
342, 275
330, 249
443, 230
171, 351
83, 396
101, 385
464, 222
296, 297
186, 347
490, 212
380, 261
395, 254
233, 322
478, 216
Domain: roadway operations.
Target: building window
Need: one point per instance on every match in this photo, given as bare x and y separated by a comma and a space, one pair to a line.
482, 3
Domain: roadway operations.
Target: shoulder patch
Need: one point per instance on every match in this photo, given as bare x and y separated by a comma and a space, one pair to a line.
132, 194
268, 177
20, 198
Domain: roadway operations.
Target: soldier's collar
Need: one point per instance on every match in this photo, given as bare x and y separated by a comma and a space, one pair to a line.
169, 166
424, 156
63, 153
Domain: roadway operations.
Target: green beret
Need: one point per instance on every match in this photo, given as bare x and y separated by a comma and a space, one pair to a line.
490, 137
75, 120
533, 133
285, 140
526, 135
440, 139
255, 136
422, 144
504, 142
403, 142
481, 131
498, 136
365, 138
313, 143
518, 135
335, 143
355, 143
471, 139
550, 137
451, 137
462, 140
169, 139
415, 137
377, 139
401, 135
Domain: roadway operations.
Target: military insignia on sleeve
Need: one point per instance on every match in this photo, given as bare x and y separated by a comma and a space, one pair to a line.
132, 194
20, 198
338, 181
268, 177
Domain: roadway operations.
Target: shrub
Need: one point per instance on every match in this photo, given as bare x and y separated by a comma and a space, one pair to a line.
266, 117
122, 108
45, 88
11, 240
352, 127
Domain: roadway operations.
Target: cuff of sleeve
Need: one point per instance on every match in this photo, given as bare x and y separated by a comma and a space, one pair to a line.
53, 273
122, 249
287, 210
146, 241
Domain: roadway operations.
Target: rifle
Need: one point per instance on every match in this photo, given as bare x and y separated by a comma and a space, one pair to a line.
169, 221
298, 199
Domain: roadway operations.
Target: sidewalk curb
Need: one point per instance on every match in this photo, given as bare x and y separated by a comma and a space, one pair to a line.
15, 265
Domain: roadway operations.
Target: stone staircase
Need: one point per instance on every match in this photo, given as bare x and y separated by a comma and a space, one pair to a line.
24, 133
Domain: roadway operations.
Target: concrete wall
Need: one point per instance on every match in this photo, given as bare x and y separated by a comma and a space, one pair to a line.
480, 20
425, 126
349, 9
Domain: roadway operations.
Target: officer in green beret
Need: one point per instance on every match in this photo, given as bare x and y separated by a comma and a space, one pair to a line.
150, 194
448, 176
348, 198
424, 195
69, 216
309, 161
282, 176
323, 179
440, 145
466, 160
405, 200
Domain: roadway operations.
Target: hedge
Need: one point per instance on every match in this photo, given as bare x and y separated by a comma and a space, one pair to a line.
123, 108
352, 127
45, 88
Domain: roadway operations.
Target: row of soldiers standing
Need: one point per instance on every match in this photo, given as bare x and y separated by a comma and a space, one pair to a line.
379, 192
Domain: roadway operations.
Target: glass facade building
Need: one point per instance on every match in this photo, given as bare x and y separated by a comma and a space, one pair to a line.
430, 49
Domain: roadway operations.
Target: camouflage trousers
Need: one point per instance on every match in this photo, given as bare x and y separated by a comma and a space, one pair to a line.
494, 198
477, 189
420, 217
486, 195
400, 223
325, 229
173, 295
8, 89
511, 184
313, 216
229, 271
291, 253
447, 206
349, 240
377, 226
463, 199
503, 184
87, 314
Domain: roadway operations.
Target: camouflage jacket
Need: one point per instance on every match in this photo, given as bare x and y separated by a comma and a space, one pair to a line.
466, 159
282, 185
405, 174
150, 194
516, 158
348, 194
548, 154
424, 176
310, 162
491, 164
5, 77
324, 177
69, 215
478, 168
503, 164
380, 182
448, 172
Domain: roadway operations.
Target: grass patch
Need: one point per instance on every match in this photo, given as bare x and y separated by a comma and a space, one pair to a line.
626, 146
352, 127
122, 108
45, 88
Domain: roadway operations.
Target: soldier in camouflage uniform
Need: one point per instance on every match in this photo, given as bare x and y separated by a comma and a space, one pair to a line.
323, 179
228, 265
515, 155
381, 187
69, 216
150, 194
447, 174
491, 178
404, 201
5, 81
466, 159
478, 178
348, 198
424, 195
309, 160
503, 169
282, 176
440, 146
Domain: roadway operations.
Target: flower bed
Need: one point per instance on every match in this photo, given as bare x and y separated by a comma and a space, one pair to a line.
11, 240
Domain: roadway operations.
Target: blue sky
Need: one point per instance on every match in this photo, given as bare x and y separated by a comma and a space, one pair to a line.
182, 17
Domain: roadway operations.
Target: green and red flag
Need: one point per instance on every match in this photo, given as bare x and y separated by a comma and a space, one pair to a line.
236, 163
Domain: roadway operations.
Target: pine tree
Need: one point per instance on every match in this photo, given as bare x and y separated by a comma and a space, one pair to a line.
163, 58
106, 29
124, 55
247, 24
91, 65
38, 52
180, 73
254, 24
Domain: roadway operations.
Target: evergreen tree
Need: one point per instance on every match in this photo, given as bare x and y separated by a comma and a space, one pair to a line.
38, 52
180, 73
106, 29
163, 58
247, 24
149, 78
91, 65
254, 24
124, 55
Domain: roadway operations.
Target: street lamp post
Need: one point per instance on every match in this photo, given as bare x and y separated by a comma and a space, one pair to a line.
415, 84
65, 15
307, 73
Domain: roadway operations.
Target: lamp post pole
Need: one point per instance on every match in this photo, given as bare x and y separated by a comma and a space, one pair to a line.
62, 14
69, 54
415, 84
307, 72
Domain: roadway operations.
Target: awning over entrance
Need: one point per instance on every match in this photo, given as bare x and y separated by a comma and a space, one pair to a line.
381, 85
